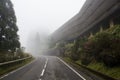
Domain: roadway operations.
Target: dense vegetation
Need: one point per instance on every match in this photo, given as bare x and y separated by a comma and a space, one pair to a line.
9, 39
103, 47
100, 51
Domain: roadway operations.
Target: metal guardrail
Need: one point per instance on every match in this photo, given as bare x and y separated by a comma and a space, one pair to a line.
14, 61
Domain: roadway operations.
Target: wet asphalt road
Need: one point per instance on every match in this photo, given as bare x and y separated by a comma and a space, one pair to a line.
46, 68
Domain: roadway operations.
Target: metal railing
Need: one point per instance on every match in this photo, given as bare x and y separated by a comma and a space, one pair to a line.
9, 62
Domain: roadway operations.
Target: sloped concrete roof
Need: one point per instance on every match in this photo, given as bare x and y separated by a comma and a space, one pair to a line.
92, 12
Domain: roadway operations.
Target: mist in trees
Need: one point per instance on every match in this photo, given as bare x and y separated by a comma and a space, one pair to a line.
37, 43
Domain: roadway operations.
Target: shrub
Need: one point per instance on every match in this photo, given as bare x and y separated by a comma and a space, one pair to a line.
104, 47
74, 51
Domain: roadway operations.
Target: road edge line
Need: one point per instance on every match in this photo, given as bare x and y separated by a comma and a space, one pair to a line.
71, 68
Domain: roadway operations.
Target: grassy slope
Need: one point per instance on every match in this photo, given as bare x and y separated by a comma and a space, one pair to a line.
7, 68
112, 72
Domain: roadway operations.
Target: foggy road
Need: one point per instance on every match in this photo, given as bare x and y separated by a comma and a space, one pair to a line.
46, 68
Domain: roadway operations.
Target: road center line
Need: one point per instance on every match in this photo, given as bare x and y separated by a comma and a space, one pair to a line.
71, 69
43, 71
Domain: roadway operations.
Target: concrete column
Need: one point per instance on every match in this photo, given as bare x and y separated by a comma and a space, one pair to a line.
90, 36
111, 23
101, 29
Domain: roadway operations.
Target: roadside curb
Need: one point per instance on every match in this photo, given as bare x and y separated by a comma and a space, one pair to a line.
86, 70
97, 73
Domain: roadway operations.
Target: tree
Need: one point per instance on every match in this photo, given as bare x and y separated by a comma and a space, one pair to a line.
9, 39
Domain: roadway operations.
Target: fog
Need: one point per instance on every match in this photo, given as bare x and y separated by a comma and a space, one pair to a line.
36, 19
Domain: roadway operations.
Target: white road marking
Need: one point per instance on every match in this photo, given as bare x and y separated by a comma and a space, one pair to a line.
71, 69
16, 70
43, 71
6, 75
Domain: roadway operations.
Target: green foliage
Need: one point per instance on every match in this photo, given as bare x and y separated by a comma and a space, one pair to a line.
100, 52
74, 53
114, 30
9, 40
105, 47
61, 48
8, 29
74, 49
102, 47
68, 48
100, 67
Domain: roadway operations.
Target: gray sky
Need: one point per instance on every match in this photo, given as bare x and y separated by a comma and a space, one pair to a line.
43, 16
